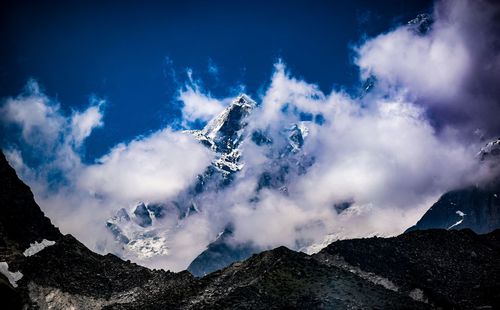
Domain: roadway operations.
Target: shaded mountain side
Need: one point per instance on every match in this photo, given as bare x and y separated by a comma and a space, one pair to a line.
70, 269
276, 279
282, 279
21, 221
220, 253
452, 269
67, 275
474, 208
285, 279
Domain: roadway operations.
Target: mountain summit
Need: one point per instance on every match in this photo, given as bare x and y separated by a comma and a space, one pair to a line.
225, 132
140, 230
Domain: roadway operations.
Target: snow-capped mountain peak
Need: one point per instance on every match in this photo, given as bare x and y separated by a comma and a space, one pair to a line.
221, 131
225, 132
143, 230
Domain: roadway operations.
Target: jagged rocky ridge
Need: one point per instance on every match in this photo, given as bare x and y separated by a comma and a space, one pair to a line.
419, 270
138, 232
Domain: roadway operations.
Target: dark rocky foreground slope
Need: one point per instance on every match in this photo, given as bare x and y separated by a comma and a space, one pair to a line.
418, 270
451, 269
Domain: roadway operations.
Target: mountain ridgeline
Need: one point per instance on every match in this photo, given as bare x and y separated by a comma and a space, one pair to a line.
418, 270
474, 207
140, 231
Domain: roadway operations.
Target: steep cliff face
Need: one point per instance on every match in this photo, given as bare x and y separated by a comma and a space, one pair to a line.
21, 222
474, 208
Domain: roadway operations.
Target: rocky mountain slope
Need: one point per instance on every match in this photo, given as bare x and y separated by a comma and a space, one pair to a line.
418, 270
476, 207
449, 269
219, 254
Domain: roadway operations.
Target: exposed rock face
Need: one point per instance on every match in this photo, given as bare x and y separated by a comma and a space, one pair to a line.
421, 24
418, 270
284, 279
475, 207
224, 134
21, 221
491, 151
142, 216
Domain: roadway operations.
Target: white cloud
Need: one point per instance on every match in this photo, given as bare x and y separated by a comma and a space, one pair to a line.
385, 158
386, 153
79, 201
430, 66
452, 69
37, 116
286, 89
198, 106
82, 123
147, 168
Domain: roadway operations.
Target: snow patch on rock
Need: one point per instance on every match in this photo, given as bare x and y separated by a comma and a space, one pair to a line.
462, 215
37, 247
13, 277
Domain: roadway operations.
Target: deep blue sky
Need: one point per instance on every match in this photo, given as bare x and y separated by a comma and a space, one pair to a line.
124, 52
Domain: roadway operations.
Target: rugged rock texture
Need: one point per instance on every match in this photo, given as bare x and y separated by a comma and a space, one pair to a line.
68, 268
282, 278
418, 270
451, 269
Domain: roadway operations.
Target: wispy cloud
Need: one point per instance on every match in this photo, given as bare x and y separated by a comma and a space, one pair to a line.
212, 68
198, 106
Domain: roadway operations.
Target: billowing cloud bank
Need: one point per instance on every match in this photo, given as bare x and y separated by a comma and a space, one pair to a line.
453, 70
389, 153
80, 197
